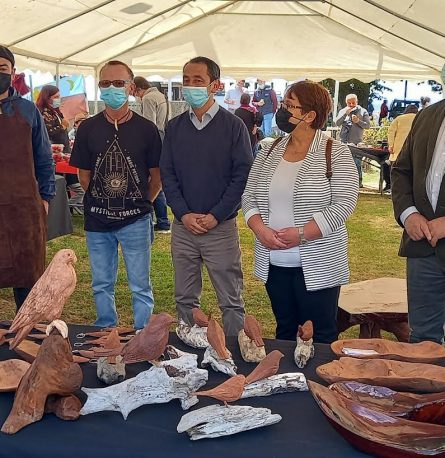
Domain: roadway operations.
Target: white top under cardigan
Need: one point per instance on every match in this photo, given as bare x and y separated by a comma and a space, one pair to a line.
281, 204
328, 202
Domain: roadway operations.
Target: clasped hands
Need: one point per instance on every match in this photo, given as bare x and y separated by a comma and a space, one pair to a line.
278, 240
418, 228
198, 223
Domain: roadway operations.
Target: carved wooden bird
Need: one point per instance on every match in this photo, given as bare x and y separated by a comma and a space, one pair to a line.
200, 318
253, 330
267, 367
48, 296
150, 343
229, 391
217, 339
305, 348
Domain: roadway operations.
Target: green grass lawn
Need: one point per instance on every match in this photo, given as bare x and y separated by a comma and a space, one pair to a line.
373, 244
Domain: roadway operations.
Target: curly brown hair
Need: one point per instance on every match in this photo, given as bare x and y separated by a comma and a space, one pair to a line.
312, 97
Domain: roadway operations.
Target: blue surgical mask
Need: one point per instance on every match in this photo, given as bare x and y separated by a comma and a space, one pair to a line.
195, 96
114, 97
57, 102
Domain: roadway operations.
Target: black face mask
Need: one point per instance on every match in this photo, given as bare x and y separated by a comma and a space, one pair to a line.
282, 117
5, 82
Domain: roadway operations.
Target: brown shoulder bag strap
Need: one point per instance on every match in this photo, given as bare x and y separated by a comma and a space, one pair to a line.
329, 158
274, 144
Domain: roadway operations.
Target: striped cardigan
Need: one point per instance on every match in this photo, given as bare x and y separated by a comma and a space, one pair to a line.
328, 202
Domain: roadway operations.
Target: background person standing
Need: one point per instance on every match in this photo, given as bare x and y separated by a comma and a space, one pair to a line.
265, 99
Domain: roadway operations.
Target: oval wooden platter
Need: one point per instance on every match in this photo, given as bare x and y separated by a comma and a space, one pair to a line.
11, 372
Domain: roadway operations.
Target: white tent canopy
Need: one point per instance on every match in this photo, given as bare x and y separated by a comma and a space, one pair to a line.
340, 39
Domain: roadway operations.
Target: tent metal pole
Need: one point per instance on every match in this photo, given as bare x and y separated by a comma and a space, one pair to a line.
336, 93
57, 74
96, 90
170, 90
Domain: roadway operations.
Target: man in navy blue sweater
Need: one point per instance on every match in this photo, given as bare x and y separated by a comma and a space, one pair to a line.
205, 162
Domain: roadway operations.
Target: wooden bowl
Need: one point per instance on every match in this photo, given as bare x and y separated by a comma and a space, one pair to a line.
11, 372
377, 433
397, 375
427, 408
423, 352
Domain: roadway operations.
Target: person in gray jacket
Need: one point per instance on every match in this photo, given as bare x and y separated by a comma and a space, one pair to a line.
353, 119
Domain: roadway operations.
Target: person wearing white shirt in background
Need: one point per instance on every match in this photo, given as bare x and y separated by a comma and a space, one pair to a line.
233, 96
418, 197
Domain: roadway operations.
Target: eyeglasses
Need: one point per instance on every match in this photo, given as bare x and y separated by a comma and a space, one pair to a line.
115, 83
288, 105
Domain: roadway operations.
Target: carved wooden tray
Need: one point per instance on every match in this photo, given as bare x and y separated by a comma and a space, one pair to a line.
28, 351
427, 408
397, 375
11, 372
423, 352
377, 433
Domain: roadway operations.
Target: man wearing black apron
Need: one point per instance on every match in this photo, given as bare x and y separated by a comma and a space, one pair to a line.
26, 186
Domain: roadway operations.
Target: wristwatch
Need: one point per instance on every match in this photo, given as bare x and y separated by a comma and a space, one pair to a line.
303, 239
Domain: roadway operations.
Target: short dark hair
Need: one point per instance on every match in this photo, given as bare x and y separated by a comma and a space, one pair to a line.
245, 99
213, 69
118, 62
141, 83
312, 97
411, 108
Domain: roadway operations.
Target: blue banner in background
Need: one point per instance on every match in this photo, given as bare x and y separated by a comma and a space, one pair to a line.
68, 85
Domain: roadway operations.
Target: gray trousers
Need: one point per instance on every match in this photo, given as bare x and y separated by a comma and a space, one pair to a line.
426, 299
219, 250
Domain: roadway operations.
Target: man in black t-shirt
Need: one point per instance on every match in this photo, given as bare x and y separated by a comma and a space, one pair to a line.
117, 153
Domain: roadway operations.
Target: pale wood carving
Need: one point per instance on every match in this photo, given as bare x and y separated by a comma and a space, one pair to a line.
177, 378
47, 298
217, 421
276, 384
195, 336
212, 359
249, 351
52, 372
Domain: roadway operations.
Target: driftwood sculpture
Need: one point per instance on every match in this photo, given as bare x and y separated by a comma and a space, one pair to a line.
377, 433
177, 378
426, 408
304, 350
194, 336
48, 296
217, 421
423, 352
217, 355
11, 372
250, 341
276, 384
52, 372
397, 375
232, 389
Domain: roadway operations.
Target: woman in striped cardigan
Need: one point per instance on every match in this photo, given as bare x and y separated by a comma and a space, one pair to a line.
298, 197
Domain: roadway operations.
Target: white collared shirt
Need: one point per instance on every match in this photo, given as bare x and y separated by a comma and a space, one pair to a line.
206, 118
435, 174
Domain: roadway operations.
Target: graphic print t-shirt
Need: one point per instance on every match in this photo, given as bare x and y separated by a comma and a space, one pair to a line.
119, 162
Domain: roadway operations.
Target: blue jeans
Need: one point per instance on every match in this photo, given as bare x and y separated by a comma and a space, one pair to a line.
160, 208
135, 240
266, 127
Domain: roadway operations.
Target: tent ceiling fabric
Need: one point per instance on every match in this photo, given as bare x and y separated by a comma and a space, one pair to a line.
341, 39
